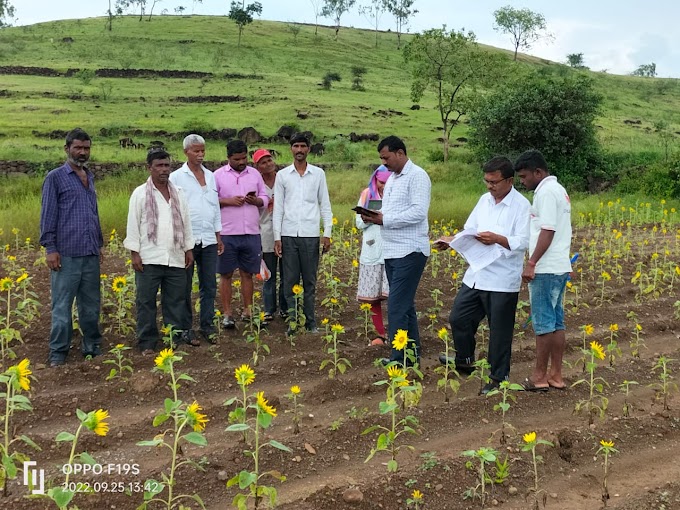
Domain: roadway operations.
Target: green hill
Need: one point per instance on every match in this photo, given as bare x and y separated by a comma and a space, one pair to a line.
270, 79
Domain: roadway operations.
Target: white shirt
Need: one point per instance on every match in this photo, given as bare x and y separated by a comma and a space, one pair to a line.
509, 218
301, 202
266, 224
551, 210
406, 202
164, 253
204, 206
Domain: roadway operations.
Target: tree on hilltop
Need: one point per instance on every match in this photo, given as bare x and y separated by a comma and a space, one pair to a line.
645, 70
576, 61
132, 5
317, 8
402, 10
373, 12
452, 65
524, 26
242, 15
6, 13
334, 9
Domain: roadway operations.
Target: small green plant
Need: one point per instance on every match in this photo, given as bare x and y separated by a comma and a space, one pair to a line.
625, 387
504, 389
530, 444
120, 362
606, 449
85, 76
245, 376
336, 424
356, 413
483, 456
596, 401
446, 382
293, 396
415, 500
502, 471
337, 363
665, 384
430, 461
296, 316
613, 350
481, 372
253, 333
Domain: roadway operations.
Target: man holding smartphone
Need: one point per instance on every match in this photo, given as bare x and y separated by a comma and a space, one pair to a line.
241, 194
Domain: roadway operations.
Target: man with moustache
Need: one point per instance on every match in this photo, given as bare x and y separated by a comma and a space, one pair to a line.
72, 236
198, 184
161, 243
301, 202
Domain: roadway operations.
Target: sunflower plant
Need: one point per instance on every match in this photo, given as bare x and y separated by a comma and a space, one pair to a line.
484, 456
596, 401
94, 421
253, 333
416, 500
447, 382
187, 424
16, 380
8, 333
337, 363
123, 302
531, 441
606, 449
365, 319
294, 396
504, 390
613, 349
625, 388
665, 384
296, 316
397, 387
250, 482
122, 364
245, 376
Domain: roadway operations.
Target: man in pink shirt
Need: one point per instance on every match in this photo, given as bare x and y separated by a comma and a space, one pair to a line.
241, 194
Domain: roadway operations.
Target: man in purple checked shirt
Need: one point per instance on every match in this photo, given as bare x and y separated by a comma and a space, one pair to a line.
72, 236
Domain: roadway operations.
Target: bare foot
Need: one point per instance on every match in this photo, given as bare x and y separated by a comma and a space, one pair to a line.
559, 385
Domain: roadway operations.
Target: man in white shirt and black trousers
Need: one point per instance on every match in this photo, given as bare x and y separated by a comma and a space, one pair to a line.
500, 217
406, 244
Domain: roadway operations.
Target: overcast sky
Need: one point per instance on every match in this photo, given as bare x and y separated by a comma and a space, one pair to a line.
613, 35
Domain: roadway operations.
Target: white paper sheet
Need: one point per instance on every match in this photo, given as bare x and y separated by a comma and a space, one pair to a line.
477, 254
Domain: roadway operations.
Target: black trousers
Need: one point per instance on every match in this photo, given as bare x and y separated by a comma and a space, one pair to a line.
300, 258
469, 308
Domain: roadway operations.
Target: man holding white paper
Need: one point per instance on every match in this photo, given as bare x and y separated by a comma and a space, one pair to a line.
491, 284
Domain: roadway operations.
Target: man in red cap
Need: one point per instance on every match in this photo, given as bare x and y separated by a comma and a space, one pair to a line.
264, 162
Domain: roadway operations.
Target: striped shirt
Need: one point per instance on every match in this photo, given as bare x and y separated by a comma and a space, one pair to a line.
405, 205
69, 217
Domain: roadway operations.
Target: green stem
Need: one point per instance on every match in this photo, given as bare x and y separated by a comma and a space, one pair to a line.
173, 466
533, 454
256, 455
8, 398
73, 453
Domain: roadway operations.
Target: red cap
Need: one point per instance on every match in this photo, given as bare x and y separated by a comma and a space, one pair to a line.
259, 154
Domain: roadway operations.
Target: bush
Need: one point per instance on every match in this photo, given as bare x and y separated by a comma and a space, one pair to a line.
328, 80
197, 126
341, 150
650, 177
552, 113
435, 156
85, 76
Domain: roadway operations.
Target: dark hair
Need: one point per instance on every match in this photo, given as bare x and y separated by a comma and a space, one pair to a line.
299, 138
156, 153
77, 134
393, 144
499, 164
236, 147
531, 160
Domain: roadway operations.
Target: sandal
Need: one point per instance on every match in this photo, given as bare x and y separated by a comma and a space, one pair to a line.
379, 340
148, 352
528, 385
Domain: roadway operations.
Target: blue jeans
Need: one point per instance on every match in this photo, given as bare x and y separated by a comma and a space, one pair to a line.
78, 279
546, 293
269, 287
403, 276
205, 260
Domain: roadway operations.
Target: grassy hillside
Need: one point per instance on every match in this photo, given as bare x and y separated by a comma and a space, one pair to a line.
282, 76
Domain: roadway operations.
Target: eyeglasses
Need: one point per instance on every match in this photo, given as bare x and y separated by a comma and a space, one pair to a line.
494, 183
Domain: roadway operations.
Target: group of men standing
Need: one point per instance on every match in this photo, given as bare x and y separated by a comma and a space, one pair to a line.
240, 216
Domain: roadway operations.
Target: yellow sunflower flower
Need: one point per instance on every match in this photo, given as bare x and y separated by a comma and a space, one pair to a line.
337, 328
163, 357
588, 329
355, 263
613, 328
119, 283
597, 349
12, 258
264, 406
443, 334
607, 444
120, 346
22, 277
529, 437
400, 339
295, 390
297, 289
244, 375
334, 301
237, 284
638, 327
325, 321
21, 371
5, 284
417, 495
335, 221
196, 419
365, 307
95, 422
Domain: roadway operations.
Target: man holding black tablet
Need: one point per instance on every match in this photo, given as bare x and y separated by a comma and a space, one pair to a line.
406, 244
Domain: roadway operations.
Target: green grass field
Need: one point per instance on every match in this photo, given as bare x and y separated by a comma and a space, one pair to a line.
281, 78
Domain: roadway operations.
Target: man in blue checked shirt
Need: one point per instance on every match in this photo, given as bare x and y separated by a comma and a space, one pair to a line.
72, 236
406, 244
